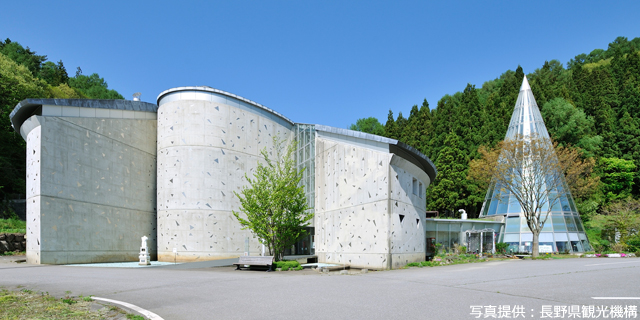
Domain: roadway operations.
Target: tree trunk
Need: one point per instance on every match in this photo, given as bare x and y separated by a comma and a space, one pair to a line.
535, 247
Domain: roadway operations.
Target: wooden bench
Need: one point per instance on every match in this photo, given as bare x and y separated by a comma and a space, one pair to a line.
243, 261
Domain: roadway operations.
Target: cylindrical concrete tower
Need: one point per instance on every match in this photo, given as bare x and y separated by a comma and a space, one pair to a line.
208, 140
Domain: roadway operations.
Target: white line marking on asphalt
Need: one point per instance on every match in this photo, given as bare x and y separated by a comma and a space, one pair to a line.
616, 298
146, 313
604, 264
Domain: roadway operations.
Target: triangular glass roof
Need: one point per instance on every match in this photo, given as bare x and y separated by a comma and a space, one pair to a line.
563, 230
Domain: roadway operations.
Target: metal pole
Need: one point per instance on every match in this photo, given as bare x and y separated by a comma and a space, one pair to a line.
480, 243
493, 239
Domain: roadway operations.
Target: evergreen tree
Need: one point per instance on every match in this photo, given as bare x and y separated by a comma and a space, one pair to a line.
390, 127
447, 193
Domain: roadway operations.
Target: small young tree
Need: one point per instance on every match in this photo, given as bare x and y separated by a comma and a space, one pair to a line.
535, 171
274, 203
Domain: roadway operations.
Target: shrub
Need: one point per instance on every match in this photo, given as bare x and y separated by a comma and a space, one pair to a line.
285, 268
633, 244
618, 247
288, 263
298, 268
414, 264
501, 247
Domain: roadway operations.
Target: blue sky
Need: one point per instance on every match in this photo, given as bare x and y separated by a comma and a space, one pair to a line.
325, 62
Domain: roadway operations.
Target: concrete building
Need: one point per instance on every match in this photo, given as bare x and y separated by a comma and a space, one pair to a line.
103, 173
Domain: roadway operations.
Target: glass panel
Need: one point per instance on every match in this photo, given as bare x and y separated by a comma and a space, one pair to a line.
494, 207
514, 205
512, 237
565, 204
576, 246
513, 246
523, 225
485, 209
562, 246
547, 224
571, 224
557, 206
572, 205
558, 223
502, 204
579, 224
513, 224
545, 206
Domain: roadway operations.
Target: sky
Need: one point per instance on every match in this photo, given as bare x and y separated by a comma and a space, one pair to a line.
321, 62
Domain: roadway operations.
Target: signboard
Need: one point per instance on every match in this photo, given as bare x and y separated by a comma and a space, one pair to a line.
545, 249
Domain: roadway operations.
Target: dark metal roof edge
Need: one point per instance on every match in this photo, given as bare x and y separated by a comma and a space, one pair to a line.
25, 108
424, 161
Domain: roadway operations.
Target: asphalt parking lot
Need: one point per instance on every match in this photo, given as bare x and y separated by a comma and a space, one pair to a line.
448, 292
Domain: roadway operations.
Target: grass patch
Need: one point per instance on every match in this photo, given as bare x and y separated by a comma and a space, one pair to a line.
13, 253
448, 259
27, 304
13, 226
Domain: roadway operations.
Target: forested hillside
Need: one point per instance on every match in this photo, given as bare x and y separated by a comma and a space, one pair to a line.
593, 104
25, 74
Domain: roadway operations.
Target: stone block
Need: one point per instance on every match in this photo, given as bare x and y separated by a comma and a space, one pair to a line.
5, 246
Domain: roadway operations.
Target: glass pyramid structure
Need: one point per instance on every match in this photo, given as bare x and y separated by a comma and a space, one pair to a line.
563, 230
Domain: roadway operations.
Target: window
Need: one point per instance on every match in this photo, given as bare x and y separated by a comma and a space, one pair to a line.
420, 192
415, 186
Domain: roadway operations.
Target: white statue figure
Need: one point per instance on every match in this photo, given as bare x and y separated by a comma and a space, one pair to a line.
144, 242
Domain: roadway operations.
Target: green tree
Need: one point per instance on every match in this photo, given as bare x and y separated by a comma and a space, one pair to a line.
54, 74
447, 193
274, 204
617, 177
93, 86
390, 127
16, 84
571, 126
368, 125
22, 56
618, 223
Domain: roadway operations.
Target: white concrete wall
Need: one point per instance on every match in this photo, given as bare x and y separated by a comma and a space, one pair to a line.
407, 237
360, 193
204, 150
352, 192
90, 189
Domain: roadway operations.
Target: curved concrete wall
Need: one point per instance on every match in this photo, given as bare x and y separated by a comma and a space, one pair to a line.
207, 141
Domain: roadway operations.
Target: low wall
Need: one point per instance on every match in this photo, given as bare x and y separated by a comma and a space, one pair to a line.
12, 242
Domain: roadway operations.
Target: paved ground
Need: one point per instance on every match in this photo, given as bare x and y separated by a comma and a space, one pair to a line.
425, 293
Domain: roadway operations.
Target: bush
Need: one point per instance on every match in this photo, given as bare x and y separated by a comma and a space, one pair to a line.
298, 268
414, 264
289, 264
618, 247
633, 244
501, 247
285, 268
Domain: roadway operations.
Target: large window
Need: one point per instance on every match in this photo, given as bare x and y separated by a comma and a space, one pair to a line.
306, 159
